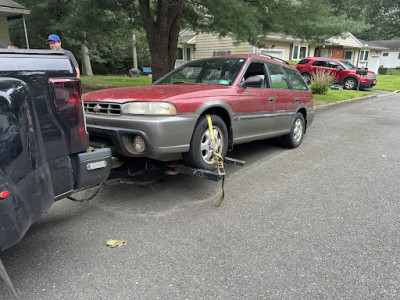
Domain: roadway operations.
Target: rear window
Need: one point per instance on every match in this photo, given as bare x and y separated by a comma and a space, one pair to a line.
319, 63
303, 62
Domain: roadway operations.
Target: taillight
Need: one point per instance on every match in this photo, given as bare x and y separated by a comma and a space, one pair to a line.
4, 194
69, 110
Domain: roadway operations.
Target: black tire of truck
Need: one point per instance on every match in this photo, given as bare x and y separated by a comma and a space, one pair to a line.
201, 149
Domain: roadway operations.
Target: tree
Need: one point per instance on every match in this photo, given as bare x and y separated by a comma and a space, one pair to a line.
246, 19
95, 31
382, 17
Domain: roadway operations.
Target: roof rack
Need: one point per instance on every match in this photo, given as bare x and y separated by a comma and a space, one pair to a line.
270, 56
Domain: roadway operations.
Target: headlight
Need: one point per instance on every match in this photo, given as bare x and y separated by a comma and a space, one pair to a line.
149, 108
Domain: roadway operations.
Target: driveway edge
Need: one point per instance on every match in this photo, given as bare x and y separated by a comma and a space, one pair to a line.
343, 102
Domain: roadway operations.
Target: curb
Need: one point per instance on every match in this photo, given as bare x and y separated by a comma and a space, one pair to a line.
343, 102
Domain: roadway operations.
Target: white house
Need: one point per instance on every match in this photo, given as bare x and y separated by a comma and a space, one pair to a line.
391, 55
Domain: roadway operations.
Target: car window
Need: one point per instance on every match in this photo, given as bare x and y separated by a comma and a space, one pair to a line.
303, 61
347, 65
332, 64
319, 63
296, 80
221, 71
278, 77
256, 69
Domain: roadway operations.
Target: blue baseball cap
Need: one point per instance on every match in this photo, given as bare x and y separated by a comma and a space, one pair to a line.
53, 37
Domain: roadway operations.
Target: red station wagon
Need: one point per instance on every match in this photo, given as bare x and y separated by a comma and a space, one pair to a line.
249, 97
343, 71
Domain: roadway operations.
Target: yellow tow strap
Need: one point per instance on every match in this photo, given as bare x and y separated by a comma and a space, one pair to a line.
219, 161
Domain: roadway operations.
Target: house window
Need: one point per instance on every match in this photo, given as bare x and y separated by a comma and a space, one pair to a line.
364, 55
385, 54
299, 52
220, 53
179, 54
188, 54
348, 55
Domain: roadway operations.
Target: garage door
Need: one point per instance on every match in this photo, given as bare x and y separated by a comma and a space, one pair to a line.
275, 53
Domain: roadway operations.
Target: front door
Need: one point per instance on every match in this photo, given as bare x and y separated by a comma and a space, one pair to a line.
374, 64
255, 106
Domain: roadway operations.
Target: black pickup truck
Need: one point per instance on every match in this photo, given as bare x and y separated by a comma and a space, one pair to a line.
43, 139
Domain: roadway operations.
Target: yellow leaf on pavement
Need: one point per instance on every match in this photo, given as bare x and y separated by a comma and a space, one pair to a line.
115, 243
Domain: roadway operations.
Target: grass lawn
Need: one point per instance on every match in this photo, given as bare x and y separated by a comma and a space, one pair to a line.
388, 82
338, 95
98, 82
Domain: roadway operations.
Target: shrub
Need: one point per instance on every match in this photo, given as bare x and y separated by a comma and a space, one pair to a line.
382, 70
320, 81
318, 88
293, 63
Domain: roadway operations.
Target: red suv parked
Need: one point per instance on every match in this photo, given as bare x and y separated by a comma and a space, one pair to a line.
345, 72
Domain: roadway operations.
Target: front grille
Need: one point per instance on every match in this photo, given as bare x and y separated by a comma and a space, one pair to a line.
102, 108
371, 76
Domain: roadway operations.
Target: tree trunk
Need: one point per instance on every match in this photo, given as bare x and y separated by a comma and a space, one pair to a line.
162, 33
86, 65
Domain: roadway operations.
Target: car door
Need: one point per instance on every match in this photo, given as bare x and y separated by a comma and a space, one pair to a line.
285, 100
255, 106
25, 182
316, 66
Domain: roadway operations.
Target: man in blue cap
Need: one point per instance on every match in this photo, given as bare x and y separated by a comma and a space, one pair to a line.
55, 44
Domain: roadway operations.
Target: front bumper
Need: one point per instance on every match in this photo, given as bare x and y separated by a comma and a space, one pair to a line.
161, 134
368, 84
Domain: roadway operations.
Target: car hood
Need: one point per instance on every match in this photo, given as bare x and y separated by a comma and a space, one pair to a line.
157, 92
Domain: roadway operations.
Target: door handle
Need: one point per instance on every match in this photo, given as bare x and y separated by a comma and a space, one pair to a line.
271, 99
296, 99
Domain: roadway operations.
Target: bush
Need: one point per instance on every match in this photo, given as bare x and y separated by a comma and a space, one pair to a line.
321, 81
318, 88
382, 70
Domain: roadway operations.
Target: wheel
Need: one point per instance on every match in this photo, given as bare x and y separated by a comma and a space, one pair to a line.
306, 77
350, 84
295, 137
201, 148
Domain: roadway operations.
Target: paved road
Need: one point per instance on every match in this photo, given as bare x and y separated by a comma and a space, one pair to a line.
318, 222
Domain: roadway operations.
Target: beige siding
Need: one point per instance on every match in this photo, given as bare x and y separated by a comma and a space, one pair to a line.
4, 35
347, 41
207, 43
278, 45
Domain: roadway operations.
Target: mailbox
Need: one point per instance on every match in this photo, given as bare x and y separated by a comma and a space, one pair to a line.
362, 71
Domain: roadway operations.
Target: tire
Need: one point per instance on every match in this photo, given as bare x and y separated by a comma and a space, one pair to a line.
295, 137
200, 152
350, 84
307, 78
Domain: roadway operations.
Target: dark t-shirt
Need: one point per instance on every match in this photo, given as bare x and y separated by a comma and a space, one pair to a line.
71, 58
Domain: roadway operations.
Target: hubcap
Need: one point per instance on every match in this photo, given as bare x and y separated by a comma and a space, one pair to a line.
349, 84
298, 131
206, 146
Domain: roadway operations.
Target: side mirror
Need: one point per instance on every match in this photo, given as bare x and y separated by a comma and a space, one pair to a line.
253, 81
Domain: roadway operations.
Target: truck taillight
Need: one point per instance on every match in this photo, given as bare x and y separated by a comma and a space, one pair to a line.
69, 109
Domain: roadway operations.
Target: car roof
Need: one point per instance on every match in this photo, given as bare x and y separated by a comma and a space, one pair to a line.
324, 58
260, 56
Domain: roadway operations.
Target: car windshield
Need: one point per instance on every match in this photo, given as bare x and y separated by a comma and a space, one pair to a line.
347, 65
221, 71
